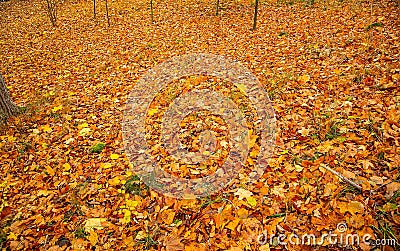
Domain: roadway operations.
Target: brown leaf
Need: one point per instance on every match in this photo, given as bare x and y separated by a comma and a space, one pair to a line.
173, 243
391, 188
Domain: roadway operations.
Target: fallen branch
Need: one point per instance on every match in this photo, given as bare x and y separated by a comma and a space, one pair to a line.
349, 181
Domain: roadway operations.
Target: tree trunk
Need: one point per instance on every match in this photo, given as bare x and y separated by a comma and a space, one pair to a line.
255, 15
152, 12
108, 17
94, 9
7, 107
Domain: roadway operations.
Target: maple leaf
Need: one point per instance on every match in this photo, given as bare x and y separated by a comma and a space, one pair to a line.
57, 108
353, 207
391, 188
173, 243
335, 104
243, 193
304, 78
47, 128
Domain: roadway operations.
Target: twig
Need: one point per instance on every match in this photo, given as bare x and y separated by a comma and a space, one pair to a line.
343, 178
45, 241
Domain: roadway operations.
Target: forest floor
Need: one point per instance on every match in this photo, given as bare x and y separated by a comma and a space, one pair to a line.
331, 69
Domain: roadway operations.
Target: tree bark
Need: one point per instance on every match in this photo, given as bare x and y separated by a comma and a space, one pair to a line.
255, 15
108, 17
7, 107
152, 12
94, 9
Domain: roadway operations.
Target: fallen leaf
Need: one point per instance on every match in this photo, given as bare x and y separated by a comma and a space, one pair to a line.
57, 108
84, 131
93, 237
391, 188
114, 156
127, 216
47, 128
173, 243
252, 201
353, 207
243, 193
94, 223
232, 224
66, 167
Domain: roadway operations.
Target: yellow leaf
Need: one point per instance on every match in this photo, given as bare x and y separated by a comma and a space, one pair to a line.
84, 131
140, 235
252, 201
187, 234
115, 181
233, 224
243, 213
304, 132
242, 87
43, 193
67, 167
252, 138
57, 108
337, 71
128, 241
11, 138
46, 128
93, 237
83, 125
189, 196
131, 204
152, 111
304, 78
114, 156
94, 223
353, 207
51, 93
12, 236
254, 154
105, 165
298, 167
50, 170
127, 216
284, 152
